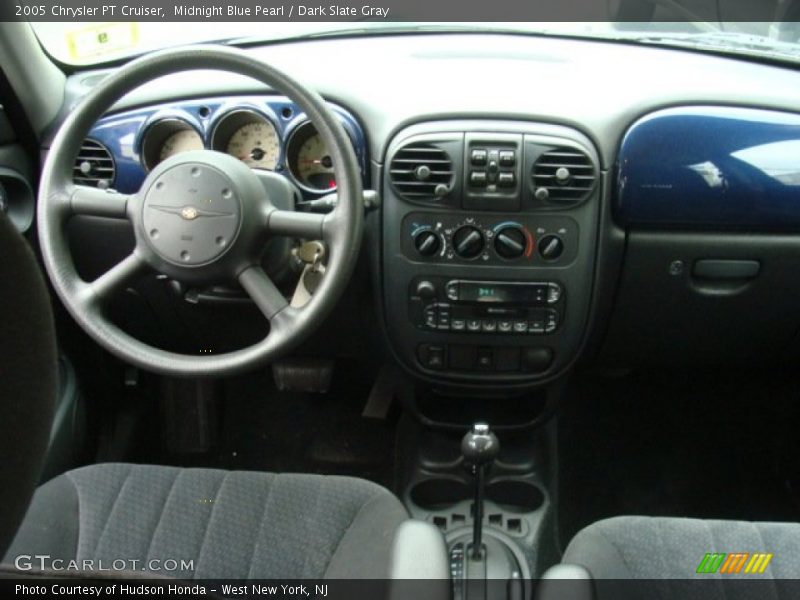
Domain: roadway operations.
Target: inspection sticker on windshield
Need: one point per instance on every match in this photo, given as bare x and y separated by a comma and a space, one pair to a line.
734, 563
98, 40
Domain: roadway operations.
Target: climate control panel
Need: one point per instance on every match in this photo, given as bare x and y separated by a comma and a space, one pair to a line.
542, 240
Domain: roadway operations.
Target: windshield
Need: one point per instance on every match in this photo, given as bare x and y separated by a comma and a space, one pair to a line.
93, 43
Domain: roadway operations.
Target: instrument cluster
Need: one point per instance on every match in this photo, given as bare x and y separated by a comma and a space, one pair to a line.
252, 136
265, 132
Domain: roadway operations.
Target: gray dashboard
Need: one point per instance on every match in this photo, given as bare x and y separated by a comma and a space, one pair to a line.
589, 92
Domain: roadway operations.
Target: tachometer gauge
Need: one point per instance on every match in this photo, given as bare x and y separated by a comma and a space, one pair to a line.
167, 137
309, 160
182, 141
256, 144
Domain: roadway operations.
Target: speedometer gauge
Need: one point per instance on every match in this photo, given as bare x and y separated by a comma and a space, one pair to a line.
182, 141
309, 159
256, 144
249, 135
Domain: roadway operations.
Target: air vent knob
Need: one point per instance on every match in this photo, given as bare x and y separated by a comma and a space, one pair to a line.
427, 243
422, 173
468, 241
563, 175
510, 242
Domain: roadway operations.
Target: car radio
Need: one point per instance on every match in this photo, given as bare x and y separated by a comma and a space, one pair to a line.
479, 306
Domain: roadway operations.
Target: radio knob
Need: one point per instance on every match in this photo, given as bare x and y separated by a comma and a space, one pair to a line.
510, 242
426, 290
427, 243
551, 247
468, 241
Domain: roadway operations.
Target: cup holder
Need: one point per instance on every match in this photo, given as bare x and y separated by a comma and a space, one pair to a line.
439, 494
509, 495
515, 496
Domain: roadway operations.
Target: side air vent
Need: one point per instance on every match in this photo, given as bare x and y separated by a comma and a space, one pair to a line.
421, 171
94, 165
563, 176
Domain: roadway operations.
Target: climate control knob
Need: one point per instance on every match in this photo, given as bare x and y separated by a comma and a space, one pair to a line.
551, 247
427, 243
510, 242
468, 241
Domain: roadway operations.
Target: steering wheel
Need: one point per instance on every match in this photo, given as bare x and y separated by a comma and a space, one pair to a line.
200, 217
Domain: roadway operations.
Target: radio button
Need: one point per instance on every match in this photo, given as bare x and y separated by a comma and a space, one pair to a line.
551, 323
536, 326
451, 290
430, 316
553, 293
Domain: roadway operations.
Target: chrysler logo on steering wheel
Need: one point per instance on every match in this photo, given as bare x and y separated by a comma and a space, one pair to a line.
189, 213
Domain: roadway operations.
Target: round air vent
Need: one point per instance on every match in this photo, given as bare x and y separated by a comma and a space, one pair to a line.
421, 171
94, 165
563, 176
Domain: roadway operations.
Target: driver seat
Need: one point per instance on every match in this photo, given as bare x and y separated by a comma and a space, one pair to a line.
225, 525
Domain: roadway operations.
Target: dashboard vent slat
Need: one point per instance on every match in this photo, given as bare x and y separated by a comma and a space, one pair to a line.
94, 165
421, 170
563, 176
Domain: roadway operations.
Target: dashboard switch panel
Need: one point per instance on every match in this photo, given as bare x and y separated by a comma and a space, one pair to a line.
490, 282
493, 165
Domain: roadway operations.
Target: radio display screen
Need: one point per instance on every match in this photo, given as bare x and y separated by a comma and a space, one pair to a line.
498, 292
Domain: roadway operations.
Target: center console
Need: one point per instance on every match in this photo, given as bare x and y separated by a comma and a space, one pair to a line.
489, 232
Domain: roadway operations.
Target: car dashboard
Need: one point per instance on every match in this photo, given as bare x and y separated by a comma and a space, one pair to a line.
545, 202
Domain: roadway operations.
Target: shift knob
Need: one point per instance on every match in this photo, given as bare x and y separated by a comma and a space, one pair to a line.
480, 446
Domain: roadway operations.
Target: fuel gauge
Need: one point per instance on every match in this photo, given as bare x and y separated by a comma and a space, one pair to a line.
310, 161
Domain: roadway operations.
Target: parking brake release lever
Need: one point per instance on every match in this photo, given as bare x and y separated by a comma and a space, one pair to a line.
479, 448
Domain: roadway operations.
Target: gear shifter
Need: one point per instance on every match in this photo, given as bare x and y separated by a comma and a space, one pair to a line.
479, 448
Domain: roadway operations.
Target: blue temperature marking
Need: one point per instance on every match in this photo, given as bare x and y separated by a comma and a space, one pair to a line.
499, 226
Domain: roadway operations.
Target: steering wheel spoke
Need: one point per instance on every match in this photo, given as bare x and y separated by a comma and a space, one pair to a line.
263, 291
121, 275
95, 202
310, 226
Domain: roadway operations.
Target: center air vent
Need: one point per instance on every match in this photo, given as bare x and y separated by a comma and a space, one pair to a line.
421, 171
563, 176
94, 165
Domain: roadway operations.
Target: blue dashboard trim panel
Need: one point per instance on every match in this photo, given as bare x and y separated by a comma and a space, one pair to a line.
710, 167
122, 133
